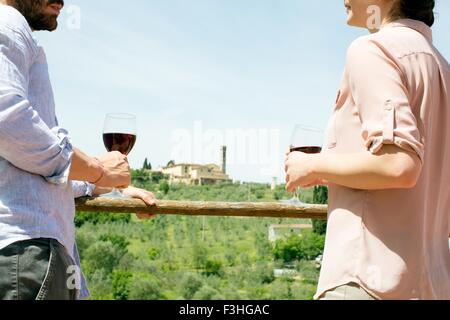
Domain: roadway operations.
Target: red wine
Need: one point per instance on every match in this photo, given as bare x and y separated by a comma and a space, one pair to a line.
310, 150
121, 142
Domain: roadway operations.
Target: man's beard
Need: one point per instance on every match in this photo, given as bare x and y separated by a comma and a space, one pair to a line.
33, 11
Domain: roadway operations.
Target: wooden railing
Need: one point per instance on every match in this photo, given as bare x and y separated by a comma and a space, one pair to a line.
189, 208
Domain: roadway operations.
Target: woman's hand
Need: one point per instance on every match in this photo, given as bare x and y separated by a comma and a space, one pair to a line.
146, 196
299, 169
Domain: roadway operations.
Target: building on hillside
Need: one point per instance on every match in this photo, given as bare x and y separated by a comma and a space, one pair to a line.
196, 174
283, 231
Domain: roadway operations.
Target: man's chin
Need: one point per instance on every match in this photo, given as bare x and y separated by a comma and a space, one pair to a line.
47, 25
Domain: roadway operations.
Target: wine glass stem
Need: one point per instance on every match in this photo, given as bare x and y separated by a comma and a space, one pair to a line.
297, 194
116, 192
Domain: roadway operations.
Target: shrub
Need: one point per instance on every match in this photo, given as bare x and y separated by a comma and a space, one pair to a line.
115, 239
207, 293
145, 289
100, 217
319, 226
103, 255
264, 273
120, 284
190, 285
153, 253
213, 268
164, 187
307, 246
320, 196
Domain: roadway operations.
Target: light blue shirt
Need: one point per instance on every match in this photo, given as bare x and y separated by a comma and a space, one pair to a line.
36, 196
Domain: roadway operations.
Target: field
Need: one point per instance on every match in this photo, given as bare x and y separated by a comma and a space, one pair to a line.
175, 257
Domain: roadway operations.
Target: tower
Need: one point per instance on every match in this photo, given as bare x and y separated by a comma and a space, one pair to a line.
274, 183
223, 159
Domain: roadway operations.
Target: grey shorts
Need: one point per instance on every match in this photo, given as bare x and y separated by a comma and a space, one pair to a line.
35, 270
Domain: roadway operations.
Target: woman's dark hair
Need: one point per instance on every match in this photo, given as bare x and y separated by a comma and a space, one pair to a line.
422, 10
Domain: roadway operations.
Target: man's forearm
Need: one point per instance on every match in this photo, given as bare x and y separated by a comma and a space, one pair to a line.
84, 168
98, 191
392, 168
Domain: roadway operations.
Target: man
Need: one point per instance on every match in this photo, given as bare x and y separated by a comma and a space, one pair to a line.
40, 169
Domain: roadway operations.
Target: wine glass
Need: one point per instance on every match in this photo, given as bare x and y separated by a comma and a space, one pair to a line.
305, 139
119, 134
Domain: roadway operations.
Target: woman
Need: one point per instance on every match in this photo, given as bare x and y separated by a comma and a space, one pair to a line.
387, 162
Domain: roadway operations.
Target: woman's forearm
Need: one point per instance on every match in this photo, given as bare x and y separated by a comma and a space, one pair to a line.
391, 168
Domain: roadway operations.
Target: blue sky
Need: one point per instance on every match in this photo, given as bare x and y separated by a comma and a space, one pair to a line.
200, 73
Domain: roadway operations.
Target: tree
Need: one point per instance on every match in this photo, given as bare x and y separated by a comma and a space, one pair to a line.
307, 246
147, 165
164, 187
103, 255
121, 283
190, 284
171, 163
145, 289
213, 268
320, 196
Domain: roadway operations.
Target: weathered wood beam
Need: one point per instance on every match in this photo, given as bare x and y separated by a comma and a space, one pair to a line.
190, 208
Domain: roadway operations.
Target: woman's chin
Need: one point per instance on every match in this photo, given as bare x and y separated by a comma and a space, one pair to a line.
350, 19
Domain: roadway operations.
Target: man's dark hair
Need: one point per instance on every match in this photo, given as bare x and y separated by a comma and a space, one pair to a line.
422, 10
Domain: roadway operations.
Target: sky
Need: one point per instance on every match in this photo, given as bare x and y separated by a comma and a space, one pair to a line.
203, 73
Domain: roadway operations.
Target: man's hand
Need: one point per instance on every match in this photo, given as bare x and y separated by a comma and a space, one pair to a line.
299, 171
116, 170
146, 196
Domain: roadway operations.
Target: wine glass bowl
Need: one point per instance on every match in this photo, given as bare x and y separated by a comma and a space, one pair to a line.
305, 139
119, 134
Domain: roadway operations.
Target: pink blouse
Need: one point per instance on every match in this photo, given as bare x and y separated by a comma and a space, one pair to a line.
393, 243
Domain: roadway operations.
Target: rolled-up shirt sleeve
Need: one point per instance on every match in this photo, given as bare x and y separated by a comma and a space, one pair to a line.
82, 189
25, 140
381, 98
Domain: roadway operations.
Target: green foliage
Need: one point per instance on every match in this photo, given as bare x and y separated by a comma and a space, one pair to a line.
264, 273
157, 177
145, 289
104, 255
117, 240
164, 187
319, 226
190, 284
99, 218
207, 293
153, 253
175, 257
199, 255
213, 267
147, 165
171, 163
320, 197
306, 246
140, 177
120, 284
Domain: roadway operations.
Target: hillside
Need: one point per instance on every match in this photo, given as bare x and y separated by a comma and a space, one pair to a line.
174, 257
